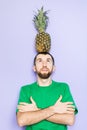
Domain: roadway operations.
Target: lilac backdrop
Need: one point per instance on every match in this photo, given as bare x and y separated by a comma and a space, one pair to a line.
68, 30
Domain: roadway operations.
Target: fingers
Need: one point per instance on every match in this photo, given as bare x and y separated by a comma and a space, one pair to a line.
20, 106
60, 98
23, 103
70, 109
24, 108
21, 111
69, 112
68, 103
71, 106
32, 100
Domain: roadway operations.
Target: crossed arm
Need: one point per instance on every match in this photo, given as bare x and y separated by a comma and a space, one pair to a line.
61, 113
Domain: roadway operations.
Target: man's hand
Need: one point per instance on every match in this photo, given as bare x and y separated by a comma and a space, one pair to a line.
29, 113
63, 107
59, 107
24, 107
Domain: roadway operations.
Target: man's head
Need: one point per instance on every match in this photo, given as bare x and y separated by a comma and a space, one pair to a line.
44, 64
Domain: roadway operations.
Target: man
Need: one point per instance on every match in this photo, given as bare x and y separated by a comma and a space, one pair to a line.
45, 104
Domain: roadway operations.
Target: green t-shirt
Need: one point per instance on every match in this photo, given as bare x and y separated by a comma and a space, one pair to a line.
45, 97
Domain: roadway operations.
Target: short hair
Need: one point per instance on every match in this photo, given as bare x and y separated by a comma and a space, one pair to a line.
43, 53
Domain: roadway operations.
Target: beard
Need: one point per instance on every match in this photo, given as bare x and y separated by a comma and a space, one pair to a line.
44, 75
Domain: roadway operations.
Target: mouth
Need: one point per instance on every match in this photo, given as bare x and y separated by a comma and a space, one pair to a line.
44, 69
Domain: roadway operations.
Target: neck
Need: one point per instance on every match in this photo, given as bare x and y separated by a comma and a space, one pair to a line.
44, 82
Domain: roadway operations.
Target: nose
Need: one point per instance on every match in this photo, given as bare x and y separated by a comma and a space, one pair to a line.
44, 63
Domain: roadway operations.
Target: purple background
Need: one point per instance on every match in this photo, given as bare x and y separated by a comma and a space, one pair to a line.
68, 30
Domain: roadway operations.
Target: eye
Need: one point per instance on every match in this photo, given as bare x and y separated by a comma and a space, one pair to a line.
48, 60
39, 60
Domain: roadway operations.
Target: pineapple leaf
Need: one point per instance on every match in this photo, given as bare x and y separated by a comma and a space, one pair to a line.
41, 20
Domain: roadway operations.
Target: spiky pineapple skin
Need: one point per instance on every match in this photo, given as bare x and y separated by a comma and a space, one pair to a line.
43, 42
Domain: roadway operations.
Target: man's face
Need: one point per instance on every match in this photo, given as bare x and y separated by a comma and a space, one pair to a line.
44, 66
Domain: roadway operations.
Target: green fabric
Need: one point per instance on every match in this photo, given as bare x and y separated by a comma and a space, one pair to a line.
45, 97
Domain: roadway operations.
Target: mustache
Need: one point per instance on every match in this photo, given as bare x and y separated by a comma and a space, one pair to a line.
44, 68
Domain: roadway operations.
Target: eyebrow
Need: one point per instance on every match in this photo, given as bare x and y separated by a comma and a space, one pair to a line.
38, 58
41, 58
49, 59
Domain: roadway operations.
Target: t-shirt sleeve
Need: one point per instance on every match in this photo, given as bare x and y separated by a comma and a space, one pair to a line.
23, 97
68, 97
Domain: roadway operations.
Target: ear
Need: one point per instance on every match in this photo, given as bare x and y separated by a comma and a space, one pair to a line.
54, 68
34, 68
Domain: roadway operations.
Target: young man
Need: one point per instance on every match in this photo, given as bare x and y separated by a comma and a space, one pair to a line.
45, 104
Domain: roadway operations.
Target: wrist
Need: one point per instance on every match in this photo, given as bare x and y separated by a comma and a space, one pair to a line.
52, 109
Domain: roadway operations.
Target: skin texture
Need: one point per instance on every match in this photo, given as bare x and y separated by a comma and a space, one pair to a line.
60, 112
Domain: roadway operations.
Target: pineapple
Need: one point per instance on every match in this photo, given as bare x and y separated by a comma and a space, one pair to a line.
43, 39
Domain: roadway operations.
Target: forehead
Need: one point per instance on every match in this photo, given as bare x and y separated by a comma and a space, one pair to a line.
43, 56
